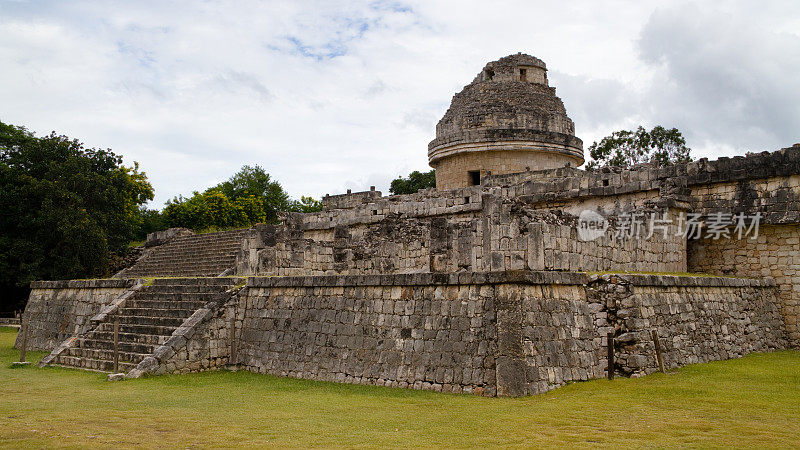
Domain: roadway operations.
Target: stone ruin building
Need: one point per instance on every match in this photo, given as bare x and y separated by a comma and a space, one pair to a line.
483, 285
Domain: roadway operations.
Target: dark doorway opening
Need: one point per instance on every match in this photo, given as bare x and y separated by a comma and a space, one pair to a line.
474, 177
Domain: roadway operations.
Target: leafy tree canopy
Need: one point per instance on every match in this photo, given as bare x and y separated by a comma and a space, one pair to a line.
146, 221
306, 205
625, 148
248, 197
214, 210
255, 181
415, 181
65, 207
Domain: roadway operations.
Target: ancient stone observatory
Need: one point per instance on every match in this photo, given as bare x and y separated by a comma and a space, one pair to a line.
484, 289
507, 120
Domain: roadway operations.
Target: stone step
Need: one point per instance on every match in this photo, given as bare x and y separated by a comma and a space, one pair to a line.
226, 245
186, 263
221, 249
146, 273
192, 260
199, 245
105, 354
92, 364
179, 313
163, 321
208, 237
171, 295
130, 338
198, 238
195, 255
236, 232
199, 248
193, 266
131, 347
182, 289
170, 266
166, 303
197, 281
139, 328
202, 244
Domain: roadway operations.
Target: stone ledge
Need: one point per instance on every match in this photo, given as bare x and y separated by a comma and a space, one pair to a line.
684, 280
516, 277
423, 279
85, 284
672, 280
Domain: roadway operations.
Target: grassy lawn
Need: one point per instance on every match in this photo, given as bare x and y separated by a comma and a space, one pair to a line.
753, 401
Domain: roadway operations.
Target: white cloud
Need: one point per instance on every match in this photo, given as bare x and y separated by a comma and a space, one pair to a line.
334, 96
724, 78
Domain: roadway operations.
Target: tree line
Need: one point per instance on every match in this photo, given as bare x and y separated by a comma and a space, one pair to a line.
68, 209
248, 197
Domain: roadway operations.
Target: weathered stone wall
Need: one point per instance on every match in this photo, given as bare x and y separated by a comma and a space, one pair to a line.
519, 237
464, 233
759, 182
777, 198
698, 319
387, 235
560, 338
502, 333
57, 310
775, 253
350, 200
162, 237
419, 331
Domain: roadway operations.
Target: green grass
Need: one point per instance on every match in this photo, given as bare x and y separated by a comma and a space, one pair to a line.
132, 244
753, 401
218, 229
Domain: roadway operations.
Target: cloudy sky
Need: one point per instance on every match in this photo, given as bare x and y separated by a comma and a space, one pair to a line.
329, 96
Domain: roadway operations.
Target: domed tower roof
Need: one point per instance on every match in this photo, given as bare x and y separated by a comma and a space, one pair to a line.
508, 108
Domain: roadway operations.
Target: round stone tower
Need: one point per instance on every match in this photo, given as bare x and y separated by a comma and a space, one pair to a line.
507, 120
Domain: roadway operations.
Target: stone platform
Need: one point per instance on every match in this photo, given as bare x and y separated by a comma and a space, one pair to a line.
495, 333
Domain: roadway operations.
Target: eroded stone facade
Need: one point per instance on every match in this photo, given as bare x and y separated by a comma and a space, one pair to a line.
775, 253
57, 310
497, 333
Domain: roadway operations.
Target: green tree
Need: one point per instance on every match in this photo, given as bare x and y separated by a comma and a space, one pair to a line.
213, 210
415, 181
250, 196
147, 221
65, 208
306, 205
255, 181
625, 148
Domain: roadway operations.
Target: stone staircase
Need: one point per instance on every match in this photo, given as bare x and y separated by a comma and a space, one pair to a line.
197, 255
146, 321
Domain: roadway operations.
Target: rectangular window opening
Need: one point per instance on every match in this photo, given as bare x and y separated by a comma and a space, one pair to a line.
474, 177
523, 74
